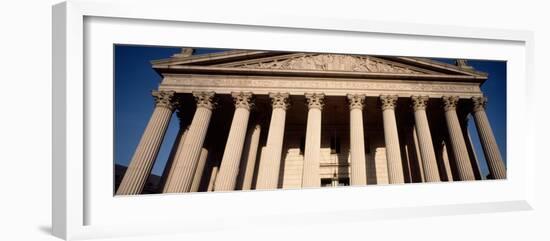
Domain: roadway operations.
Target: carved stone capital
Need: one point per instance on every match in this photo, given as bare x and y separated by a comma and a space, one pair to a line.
419, 102
480, 102
388, 101
356, 101
243, 100
449, 102
280, 100
315, 100
205, 99
165, 99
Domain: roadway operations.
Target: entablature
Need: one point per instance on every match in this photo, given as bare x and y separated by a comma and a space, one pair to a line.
225, 84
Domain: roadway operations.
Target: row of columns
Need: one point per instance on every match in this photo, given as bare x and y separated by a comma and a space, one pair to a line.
190, 157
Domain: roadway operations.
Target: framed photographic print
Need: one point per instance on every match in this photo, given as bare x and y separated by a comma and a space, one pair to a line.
223, 99
170, 123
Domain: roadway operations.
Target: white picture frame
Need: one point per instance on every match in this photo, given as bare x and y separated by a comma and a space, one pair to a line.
81, 207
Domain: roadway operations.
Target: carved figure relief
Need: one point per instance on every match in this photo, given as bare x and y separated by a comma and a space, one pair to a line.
333, 62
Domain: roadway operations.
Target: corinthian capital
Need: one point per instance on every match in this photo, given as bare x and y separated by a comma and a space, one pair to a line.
242, 100
205, 99
279, 100
449, 102
388, 101
480, 102
165, 99
356, 101
419, 102
315, 100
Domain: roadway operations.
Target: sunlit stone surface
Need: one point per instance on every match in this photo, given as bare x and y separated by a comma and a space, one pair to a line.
271, 120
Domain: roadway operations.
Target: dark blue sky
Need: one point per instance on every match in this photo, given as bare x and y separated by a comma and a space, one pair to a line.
134, 80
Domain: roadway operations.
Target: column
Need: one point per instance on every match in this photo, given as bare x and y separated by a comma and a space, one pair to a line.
187, 160
249, 157
212, 179
429, 162
391, 137
460, 152
268, 172
229, 167
311, 177
418, 156
173, 164
147, 150
471, 151
357, 140
200, 169
446, 162
491, 151
183, 128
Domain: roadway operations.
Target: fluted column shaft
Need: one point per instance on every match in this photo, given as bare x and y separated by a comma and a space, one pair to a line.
357, 140
200, 169
147, 150
229, 168
446, 162
458, 143
183, 127
418, 156
268, 172
174, 164
212, 180
311, 176
187, 160
429, 162
491, 151
249, 158
391, 137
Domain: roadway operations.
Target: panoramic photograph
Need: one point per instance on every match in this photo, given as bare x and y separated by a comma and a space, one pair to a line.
190, 119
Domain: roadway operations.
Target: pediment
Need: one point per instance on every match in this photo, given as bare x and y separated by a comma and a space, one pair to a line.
330, 62
247, 62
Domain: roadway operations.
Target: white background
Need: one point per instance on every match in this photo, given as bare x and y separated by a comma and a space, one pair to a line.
25, 125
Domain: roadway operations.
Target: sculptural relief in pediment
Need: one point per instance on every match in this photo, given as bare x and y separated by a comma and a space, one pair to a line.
333, 62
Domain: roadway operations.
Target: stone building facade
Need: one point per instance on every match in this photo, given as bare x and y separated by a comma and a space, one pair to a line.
268, 120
